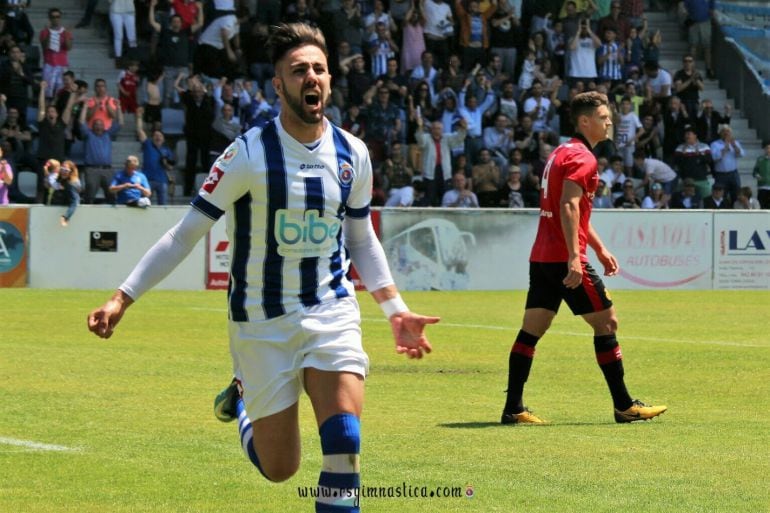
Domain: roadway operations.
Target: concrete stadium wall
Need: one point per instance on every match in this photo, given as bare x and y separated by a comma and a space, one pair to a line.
443, 249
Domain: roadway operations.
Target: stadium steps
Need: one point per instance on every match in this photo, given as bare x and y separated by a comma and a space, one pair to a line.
90, 59
673, 48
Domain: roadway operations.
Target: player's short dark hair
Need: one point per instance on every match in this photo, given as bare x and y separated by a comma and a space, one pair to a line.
287, 36
585, 104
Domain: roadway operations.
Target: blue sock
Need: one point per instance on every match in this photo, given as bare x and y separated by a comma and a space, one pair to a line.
340, 481
247, 436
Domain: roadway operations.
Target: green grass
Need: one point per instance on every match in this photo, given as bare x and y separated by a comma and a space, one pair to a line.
138, 409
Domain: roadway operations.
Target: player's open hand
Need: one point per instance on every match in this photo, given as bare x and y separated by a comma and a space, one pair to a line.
609, 262
409, 332
103, 320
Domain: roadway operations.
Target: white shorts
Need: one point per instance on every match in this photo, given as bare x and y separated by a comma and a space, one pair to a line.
269, 356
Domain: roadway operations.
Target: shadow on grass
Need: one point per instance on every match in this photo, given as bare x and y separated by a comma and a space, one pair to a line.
482, 425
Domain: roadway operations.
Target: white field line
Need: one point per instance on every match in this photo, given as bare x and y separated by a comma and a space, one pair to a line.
35, 446
728, 343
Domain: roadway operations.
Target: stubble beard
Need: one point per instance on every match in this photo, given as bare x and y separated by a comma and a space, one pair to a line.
297, 106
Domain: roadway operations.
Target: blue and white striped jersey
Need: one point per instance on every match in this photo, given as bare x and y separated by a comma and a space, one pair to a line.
285, 204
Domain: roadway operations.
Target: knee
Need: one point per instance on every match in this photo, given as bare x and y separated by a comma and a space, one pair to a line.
611, 325
280, 469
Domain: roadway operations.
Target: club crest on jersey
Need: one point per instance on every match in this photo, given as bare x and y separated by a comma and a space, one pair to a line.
345, 173
211, 182
228, 155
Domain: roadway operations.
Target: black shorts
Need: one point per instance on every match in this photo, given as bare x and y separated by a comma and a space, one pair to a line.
546, 289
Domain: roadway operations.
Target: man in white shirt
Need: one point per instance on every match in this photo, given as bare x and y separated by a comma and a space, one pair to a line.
290, 191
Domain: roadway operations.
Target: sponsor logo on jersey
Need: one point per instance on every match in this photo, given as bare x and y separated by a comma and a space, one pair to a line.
211, 182
312, 166
303, 234
345, 173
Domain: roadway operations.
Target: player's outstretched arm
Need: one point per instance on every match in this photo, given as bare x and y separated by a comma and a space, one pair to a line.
370, 261
155, 265
104, 319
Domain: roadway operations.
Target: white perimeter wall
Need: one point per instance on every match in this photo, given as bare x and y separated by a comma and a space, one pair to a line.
656, 249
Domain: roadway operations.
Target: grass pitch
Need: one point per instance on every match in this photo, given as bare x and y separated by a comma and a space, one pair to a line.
126, 425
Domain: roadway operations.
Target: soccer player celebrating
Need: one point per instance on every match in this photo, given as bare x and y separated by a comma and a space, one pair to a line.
559, 268
290, 191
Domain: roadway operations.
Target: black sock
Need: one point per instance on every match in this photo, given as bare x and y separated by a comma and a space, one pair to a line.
610, 360
519, 364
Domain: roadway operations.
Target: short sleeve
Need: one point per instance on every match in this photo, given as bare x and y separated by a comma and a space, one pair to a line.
580, 166
228, 181
361, 188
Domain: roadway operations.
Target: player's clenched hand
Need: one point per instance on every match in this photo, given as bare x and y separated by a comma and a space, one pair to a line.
409, 332
574, 273
103, 320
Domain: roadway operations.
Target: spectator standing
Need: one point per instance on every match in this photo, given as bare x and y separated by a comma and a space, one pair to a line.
101, 107
616, 21
688, 84
538, 107
474, 31
128, 85
349, 25
693, 160
726, 151
130, 186
437, 157
198, 116
762, 174
218, 50
504, 36
709, 121
657, 83
675, 121
627, 133
610, 59
698, 22
123, 19
98, 159
15, 80
56, 42
473, 112
173, 51
649, 141
157, 160
438, 30
51, 132
381, 48
581, 51
459, 196
413, 43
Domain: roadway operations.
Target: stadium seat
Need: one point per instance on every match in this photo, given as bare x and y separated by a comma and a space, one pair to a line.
173, 122
27, 181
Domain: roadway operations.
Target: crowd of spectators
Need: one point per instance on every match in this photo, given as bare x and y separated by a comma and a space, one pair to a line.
459, 102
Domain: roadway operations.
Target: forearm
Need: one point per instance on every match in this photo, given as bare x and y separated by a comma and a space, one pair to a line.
367, 254
570, 221
593, 240
166, 254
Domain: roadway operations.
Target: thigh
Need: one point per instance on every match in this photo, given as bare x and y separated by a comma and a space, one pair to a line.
546, 289
332, 393
591, 296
